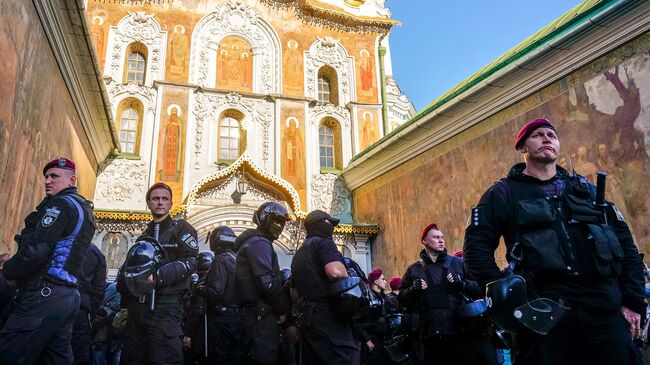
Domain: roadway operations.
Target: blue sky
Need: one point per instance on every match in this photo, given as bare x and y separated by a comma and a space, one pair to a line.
441, 42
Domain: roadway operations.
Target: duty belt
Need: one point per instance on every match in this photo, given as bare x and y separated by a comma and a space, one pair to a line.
40, 282
223, 309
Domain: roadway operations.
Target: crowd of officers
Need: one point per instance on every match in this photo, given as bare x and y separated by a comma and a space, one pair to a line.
572, 294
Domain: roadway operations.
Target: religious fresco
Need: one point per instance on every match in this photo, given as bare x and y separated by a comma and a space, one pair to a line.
368, 128
99, 33
114, 246
602, 113
178, 59
38, 121
171, 140
366, 75
235, 65
292, 62
293, 153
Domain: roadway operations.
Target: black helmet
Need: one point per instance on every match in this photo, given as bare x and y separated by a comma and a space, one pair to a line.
222, 238
270, 218
349, 297
204, 261
142, 260
285, 274
502, 297
321, 224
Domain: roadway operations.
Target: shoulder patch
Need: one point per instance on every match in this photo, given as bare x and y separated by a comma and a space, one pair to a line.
190, 241
619, 214
473, 217
51, 215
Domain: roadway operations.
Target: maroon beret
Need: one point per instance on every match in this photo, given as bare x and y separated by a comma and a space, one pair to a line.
61, 163
159, 185
529, 127
395, 283
427, 229
374, 275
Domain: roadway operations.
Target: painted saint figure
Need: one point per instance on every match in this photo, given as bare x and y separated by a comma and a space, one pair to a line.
171, 146
178, 51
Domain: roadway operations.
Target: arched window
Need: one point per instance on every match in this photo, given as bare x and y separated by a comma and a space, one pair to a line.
230, 136
129, 122
136, 63
324, 89
326, 146
327, 86
329, 145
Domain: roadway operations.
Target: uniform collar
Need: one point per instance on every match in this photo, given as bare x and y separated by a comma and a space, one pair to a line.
517, 173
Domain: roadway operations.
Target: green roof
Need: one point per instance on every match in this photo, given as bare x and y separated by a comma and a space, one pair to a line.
574, 17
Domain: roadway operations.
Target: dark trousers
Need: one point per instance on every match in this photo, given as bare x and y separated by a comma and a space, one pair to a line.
260, 335
443, 350
224, 336
326, 337
581, 337
154, 337
39, 329
81, 335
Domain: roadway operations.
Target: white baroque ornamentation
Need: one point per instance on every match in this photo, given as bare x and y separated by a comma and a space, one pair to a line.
206, 107
121, 180
139, 27
148, 93
329, 51
237, 19
330, 193
319, 111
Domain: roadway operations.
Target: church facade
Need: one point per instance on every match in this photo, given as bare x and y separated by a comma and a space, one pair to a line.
235, 102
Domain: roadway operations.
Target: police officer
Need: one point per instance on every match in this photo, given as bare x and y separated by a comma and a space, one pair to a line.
224, 322
259, 285
92, 281
155, 336
433, 287
50, 254
326, 335
567, 248
195, 316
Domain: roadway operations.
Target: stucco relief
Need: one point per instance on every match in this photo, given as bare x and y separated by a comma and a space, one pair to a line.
320, 111
224, 193
329, 51
208, 106
122, 181
138, 27
236, 19
147, 94
331, 194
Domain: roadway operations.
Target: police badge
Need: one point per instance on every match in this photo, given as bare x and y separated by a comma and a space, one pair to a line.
190, 241
51, 214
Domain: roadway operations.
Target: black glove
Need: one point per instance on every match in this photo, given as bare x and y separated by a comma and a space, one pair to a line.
457, 282
200, 289
417, 284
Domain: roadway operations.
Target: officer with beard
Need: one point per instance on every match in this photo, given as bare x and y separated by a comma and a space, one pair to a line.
51, 249
224, 322
155, 336
264, 307
326, 334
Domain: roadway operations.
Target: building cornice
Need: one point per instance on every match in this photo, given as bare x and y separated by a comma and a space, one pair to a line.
331, 16
554, 60
66, 29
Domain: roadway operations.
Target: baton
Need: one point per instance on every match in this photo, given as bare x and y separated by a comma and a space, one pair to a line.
205, 333
601, 184
156, 233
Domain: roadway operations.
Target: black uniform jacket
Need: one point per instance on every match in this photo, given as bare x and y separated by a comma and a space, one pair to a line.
257, 272
496, 216
54, 218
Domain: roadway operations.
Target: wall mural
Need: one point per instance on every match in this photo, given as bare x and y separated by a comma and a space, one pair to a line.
603, 124
235, 65
292, 60
293, 158
368, 128
114, 246
36, 115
